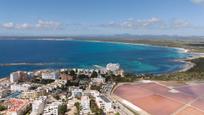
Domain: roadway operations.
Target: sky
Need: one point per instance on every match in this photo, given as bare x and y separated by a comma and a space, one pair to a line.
102, 17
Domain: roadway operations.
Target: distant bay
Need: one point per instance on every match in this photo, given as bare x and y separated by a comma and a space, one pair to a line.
53, 54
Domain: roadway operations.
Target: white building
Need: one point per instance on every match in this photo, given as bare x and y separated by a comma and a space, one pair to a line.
87, 72
77, 92
38, 106
33, 94
103, 71
53, 85
14, 77
112, 67
104, 103
30, 74
52, 109
99, 80
93, 93
50, 75
18, 75
20, 87
85, 104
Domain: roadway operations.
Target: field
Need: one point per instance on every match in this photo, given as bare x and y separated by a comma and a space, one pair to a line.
159, 99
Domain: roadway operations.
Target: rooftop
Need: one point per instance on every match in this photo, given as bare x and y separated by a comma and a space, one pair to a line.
16, 104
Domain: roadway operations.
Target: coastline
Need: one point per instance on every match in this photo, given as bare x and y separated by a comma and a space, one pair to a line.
3, 79
184, 50
26, 64
188, 64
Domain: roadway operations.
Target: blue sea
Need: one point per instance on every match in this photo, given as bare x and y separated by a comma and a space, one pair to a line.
53, 54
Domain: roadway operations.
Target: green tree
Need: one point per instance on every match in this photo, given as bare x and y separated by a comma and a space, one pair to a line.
57, 97
72, 73
78, 106
2, 108
94, 74
62, 109
94, 108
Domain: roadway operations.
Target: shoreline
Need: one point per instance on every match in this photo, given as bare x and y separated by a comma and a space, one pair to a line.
183, 50
188, 63
187, 66
26, 64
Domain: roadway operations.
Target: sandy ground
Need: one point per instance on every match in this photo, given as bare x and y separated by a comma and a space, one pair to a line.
72, 111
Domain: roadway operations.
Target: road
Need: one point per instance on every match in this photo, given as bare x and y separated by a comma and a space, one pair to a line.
122, 109
119, 107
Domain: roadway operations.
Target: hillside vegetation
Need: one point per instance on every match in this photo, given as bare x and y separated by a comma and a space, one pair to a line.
195, 73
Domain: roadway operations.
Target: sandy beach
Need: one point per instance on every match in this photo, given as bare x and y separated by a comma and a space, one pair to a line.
188, 64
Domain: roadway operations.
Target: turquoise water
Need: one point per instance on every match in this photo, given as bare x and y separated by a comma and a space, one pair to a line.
68, 54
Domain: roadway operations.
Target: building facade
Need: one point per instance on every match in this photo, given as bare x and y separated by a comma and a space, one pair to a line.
20, 87
38, 105
85, 105
18, 76
50, 75
52, 109
104, 103
33, 94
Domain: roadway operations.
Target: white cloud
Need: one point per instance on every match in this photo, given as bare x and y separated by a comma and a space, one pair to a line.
23, 26
11, 25
135, 24
180, 24
48, 24
151, 23
8, 25
198, 2
40, 24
